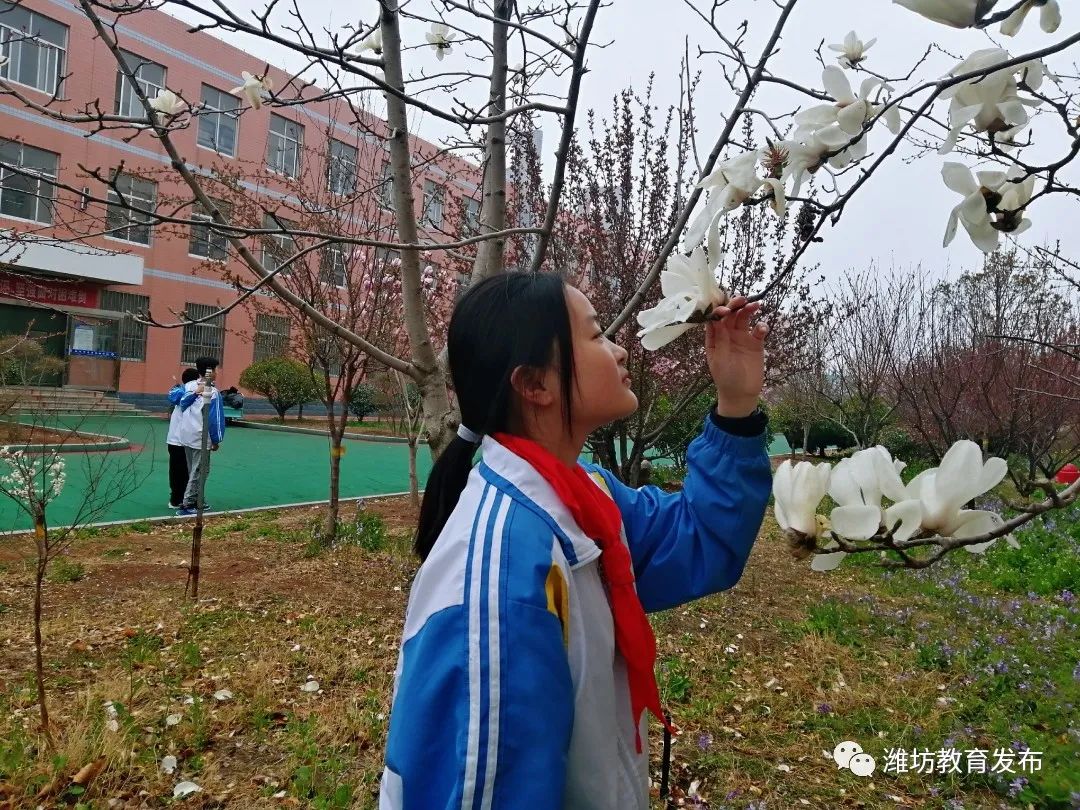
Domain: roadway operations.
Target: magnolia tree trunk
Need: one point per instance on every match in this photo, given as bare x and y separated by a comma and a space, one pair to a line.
41, 537
333, 506
490, 254
414, 482
439, 418
336, 431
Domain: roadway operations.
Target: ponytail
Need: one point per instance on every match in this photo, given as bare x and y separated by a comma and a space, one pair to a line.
503, 322
443, 490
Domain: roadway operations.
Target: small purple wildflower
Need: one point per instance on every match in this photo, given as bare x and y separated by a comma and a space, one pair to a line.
1016, 785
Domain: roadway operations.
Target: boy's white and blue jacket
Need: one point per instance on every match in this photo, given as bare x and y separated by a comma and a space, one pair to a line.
509, 691
191, 404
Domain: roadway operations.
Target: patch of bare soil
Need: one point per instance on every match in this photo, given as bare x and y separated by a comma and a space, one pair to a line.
12, 433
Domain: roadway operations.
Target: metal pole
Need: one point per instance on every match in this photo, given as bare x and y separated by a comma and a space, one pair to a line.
204, 467
204, 443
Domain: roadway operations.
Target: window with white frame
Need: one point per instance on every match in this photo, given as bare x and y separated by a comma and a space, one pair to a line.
277, 248
218, 121
121, 218
150, 76
471, 223
206, 338
33, 48
433, 205
131, 344
386, 186
283, 146
341, 167
335, 265
271, 336
26, 190
206, 242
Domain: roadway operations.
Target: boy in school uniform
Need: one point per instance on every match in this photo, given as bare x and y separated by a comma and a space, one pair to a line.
195, 408
178, 466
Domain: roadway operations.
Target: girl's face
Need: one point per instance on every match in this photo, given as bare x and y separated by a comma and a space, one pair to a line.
603, 392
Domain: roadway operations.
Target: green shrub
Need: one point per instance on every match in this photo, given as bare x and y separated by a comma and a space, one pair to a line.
284, 382
363, 401
23, 361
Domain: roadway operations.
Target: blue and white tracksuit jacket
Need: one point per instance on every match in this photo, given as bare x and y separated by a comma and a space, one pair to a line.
509, 691
189, 430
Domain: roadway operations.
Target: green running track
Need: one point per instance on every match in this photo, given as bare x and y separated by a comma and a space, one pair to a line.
253, 468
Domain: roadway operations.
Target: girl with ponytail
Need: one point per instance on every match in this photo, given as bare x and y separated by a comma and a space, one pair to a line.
525, 675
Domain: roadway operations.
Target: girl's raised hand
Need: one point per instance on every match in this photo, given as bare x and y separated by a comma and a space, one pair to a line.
736, 355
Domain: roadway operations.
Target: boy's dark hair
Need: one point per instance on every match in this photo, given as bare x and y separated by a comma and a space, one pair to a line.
505, 321
204, 364
189, 375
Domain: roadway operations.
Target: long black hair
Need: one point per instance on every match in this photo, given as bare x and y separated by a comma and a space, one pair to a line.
505, 321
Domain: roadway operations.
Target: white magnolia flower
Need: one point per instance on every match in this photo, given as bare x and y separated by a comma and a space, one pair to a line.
373, 42
972, 212
689, 285
945, 489
797, 490
168, 763
957, 13
1015, 195
852, 50
253, 88
439, 38
989, 102
731, 184
1049, 17
167, 104
850, 111
1007, 193
858, 484
809, 153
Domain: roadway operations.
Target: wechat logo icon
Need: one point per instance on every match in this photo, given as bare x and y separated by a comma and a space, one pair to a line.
850, 755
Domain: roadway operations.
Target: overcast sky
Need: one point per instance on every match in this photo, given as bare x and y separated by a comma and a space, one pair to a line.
898, 219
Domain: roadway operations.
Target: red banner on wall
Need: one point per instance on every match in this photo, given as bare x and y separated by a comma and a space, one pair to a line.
49, 290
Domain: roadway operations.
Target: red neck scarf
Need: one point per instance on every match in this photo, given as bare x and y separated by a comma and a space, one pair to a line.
598, 517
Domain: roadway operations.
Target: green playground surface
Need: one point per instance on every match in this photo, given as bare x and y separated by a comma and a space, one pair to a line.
254, 468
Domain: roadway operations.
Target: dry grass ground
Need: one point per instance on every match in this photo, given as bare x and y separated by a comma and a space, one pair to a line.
761, 679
